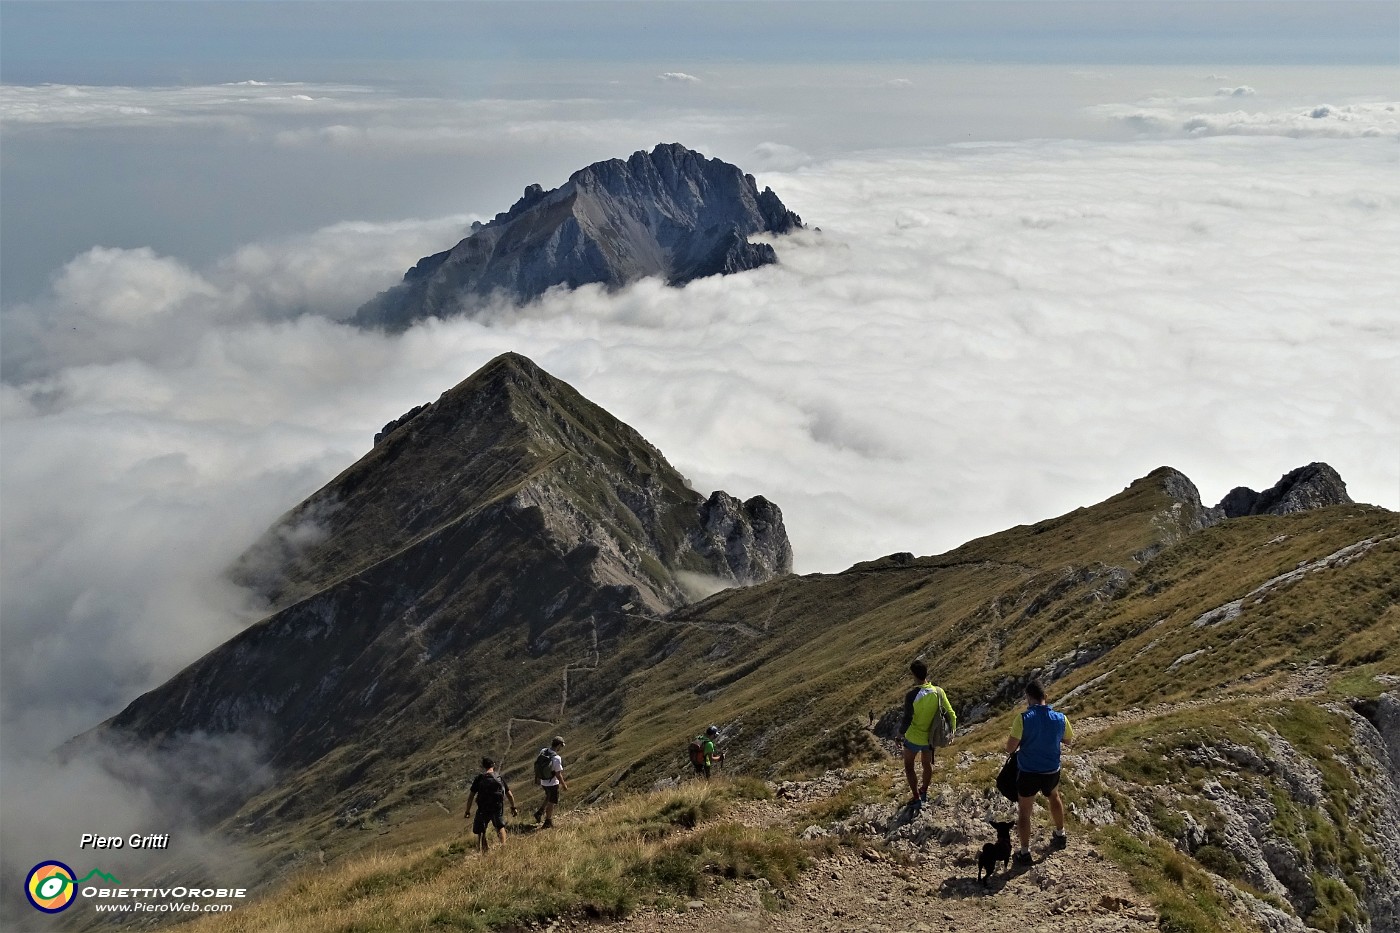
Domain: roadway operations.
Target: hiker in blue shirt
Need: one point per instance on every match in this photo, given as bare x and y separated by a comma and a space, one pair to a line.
1036, 737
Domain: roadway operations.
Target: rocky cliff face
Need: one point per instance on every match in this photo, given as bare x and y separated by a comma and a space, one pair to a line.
1309, 487
670, 213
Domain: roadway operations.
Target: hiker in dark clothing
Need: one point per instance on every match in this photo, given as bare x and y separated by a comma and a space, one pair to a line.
491, 792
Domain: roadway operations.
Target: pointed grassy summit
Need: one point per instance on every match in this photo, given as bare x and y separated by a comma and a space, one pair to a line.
512, 436
487, 552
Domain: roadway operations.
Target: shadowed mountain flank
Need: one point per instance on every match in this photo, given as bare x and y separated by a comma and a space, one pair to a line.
670, 213
487, 548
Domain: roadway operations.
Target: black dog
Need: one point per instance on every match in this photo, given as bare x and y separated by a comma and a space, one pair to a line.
993, 852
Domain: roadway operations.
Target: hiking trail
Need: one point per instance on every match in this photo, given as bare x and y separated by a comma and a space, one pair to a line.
916, 872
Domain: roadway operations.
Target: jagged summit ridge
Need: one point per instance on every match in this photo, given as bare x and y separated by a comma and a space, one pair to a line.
671, 213
1308, 487
513, 436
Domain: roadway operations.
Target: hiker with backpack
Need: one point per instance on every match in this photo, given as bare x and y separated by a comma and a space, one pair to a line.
1036, 737
490, 791
549, 775
929, 722
703, 754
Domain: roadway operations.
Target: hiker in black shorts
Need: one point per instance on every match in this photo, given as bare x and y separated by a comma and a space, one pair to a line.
1037, 735
549, 775
491, 792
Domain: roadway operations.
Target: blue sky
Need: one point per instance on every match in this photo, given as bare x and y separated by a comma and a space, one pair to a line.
139, 43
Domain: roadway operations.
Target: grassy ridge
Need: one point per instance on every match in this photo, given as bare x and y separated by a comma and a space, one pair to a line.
660, 848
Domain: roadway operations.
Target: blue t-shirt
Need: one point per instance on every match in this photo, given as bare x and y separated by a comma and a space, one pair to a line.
1040, 729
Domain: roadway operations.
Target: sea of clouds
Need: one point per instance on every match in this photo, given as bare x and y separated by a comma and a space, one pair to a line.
980, 335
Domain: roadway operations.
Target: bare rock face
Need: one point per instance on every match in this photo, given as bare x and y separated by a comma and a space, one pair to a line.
1314, 486
747, 538
670, 213
1191, 514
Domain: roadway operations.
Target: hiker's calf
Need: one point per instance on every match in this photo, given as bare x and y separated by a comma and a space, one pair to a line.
993, 852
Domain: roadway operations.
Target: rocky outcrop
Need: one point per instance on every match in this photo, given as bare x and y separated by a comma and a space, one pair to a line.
670, 213
1314, 486
1376, 749
748, 538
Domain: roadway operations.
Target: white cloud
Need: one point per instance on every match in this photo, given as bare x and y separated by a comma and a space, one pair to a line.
1187, 117
983, 335
113, 305
1243, 90
677, 77
899, 82
775, 157
232, 105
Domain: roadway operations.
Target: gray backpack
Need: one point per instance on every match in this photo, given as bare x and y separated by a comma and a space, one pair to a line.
940, 731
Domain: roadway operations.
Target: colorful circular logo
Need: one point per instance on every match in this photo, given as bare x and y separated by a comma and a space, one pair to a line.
50, 887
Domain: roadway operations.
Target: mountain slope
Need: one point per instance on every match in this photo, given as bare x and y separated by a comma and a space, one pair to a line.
489, 545
670, 213
1254, 785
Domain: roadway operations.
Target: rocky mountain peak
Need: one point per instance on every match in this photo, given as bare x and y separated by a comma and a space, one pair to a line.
503, 536
513, 435
1188, 512
1308, 487
671, 213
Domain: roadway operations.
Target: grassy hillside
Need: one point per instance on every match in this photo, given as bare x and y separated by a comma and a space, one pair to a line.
657, 849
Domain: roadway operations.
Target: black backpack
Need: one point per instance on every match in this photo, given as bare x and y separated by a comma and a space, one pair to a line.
491, 792
1006, 778
543, 772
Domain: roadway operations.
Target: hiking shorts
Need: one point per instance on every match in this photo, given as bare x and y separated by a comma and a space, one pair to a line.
495, 816
911, 747
1029, 783
551, 793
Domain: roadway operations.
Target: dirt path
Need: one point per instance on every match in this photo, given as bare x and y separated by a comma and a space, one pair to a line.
905, 874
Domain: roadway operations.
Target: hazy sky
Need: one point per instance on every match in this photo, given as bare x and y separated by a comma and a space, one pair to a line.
1061, 245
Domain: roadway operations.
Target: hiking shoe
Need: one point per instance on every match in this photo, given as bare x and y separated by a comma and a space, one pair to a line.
915, 804
548, 824
1058, 840
923, 799
1022, 858
539, 814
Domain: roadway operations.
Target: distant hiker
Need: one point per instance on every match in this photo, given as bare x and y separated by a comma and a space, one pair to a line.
490, 791
926, 709
702, 751
1036, 737
549, 775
